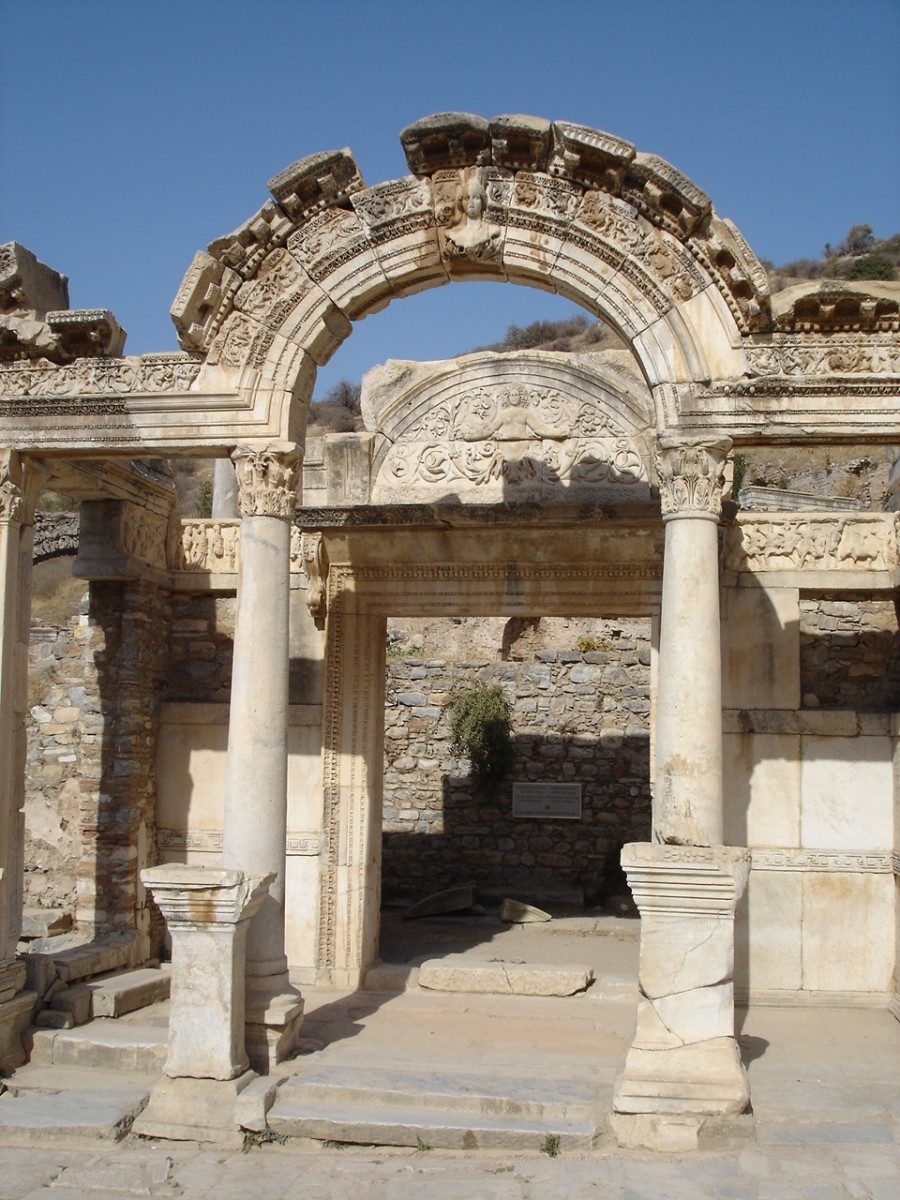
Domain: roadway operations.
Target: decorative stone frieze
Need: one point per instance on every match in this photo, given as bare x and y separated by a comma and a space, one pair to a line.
691, 476
267, 480
812, 541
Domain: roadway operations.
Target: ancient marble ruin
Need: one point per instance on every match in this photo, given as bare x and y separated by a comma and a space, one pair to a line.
529, 485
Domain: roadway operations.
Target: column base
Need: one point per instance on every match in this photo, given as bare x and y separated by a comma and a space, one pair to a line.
706, 1078
670, 1134
274, 1015
15, 1018
195, 1110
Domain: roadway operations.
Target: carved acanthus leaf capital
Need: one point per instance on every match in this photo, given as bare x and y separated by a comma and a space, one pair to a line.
268, 480
12, 497
690, 472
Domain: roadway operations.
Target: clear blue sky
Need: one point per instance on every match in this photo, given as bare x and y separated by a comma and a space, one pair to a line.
135, 132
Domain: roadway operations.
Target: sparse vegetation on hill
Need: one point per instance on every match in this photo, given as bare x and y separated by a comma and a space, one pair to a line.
859, 256
339, 409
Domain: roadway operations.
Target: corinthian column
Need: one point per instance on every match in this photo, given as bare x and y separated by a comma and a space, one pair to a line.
255, 821
688, 795
684, 1066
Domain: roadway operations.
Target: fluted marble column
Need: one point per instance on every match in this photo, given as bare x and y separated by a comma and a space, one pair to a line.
255, 820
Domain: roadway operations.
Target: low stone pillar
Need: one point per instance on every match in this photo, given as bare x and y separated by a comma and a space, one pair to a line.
255, 820
683, 1064
208, 912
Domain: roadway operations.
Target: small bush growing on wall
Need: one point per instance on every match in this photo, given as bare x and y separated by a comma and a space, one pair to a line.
481, 729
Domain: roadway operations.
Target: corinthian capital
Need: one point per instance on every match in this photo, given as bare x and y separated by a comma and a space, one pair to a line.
691, 474
267, 480
12, 498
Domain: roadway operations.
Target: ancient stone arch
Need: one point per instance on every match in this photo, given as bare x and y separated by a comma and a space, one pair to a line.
391, 518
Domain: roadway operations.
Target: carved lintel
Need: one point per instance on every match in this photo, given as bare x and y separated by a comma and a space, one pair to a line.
268, 480
691, 476
12, 498
315, 563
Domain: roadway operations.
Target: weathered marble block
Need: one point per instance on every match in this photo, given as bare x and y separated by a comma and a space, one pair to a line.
208, 912
684, 1057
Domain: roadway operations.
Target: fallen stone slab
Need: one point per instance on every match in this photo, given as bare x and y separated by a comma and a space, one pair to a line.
517, 912
458, 973
455, 899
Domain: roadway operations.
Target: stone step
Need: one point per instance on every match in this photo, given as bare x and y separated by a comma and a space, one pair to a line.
461, 973
371, 1125
106, 1043
446, 1110
69, 1117
117, 995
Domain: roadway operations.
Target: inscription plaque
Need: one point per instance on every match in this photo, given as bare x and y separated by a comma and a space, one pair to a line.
559, 801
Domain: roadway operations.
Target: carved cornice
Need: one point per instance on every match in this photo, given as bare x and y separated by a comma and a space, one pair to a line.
267, 480
691, 476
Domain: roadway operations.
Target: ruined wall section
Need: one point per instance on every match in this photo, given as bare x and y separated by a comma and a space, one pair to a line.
579, 716
849, 654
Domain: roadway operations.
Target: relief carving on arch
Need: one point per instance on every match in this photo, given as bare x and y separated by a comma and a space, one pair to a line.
523, 440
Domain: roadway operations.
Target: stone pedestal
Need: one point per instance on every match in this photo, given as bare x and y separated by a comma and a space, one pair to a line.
208, 913
255, 821
684, 1059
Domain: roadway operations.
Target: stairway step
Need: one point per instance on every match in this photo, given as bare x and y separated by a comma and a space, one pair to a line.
367, 1124
474, 1094
106, 1043
117, 995
63, 1117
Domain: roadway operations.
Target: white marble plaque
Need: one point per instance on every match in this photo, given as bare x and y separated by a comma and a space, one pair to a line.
554, 801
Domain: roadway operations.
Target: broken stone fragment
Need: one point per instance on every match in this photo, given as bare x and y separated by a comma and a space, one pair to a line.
518, 913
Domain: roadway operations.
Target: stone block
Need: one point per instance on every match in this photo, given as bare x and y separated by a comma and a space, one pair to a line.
76, 1001
83, 962
51, 1018
194, 1110
456, 973
834, 769
127, 992
15, 1017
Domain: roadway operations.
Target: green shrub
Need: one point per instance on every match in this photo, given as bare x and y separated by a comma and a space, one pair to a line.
481, 729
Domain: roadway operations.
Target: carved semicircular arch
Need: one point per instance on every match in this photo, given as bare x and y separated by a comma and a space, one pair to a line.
528, 426
548, 204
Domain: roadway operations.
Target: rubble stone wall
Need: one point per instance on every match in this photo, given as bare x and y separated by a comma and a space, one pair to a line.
849, 654
579, 716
